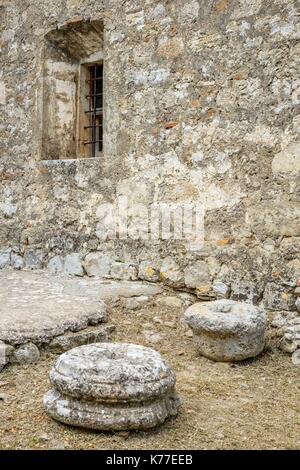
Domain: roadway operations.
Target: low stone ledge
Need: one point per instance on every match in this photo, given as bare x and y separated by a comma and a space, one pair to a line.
90, 335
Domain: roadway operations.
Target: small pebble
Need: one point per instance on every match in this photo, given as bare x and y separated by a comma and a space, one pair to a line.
4, 397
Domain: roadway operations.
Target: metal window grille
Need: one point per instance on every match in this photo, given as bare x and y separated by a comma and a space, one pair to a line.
95, 111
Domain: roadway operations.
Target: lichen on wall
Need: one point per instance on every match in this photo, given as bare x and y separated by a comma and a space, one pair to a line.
201, 105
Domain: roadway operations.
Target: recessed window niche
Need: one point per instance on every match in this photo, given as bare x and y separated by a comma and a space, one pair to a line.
72, 117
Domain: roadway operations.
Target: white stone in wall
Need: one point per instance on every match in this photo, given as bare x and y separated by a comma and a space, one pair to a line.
72, 265
288, 330
221, 289
2, 93
17, 261
274, 219
5, 258
197, 157
249, 8
171, 273
159, 13
148, 272
34, 259
288, 160
123, 271
142, 77
136, 20
116, 36
189, 10
8, 207
197, 275
55, 265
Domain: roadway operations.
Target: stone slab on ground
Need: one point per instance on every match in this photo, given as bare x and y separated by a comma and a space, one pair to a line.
36, 306
90, 335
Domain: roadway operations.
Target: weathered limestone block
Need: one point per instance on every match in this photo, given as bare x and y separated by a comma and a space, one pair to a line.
72, 265
246, 291
72, 340
123, 271
148, 272
34, 259
225, 330
5, 353
287, 161
277, 297
288, 329
170, 47
55, 265
2, 93
97, 264
243, 9
289, 346
197, 276
25, 354
275, 219
5, 258
221, 290
16, 261
189, 11
111, 386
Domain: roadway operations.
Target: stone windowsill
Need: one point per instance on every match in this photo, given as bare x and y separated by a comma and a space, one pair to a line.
70, 165
69, 161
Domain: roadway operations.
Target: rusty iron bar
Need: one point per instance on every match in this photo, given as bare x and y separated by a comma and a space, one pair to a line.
92, 142
95, 112
97, 94
92, 110
89, 127
94, 79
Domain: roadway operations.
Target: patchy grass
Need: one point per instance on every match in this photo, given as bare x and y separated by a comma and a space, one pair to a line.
250, 405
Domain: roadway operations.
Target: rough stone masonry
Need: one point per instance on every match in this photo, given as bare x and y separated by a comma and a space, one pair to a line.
201, 105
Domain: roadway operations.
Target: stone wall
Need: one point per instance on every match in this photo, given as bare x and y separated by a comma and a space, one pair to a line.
202, 105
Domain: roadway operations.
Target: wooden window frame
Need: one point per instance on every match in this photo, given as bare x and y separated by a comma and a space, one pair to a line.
90, 117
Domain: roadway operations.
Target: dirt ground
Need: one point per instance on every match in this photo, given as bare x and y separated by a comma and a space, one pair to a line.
250, 405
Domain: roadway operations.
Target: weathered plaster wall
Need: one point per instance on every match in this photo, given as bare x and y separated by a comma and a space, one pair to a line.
202, 103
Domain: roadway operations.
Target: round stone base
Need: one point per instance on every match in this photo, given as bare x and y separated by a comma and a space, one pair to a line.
113, 373
108, 417
225, 330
